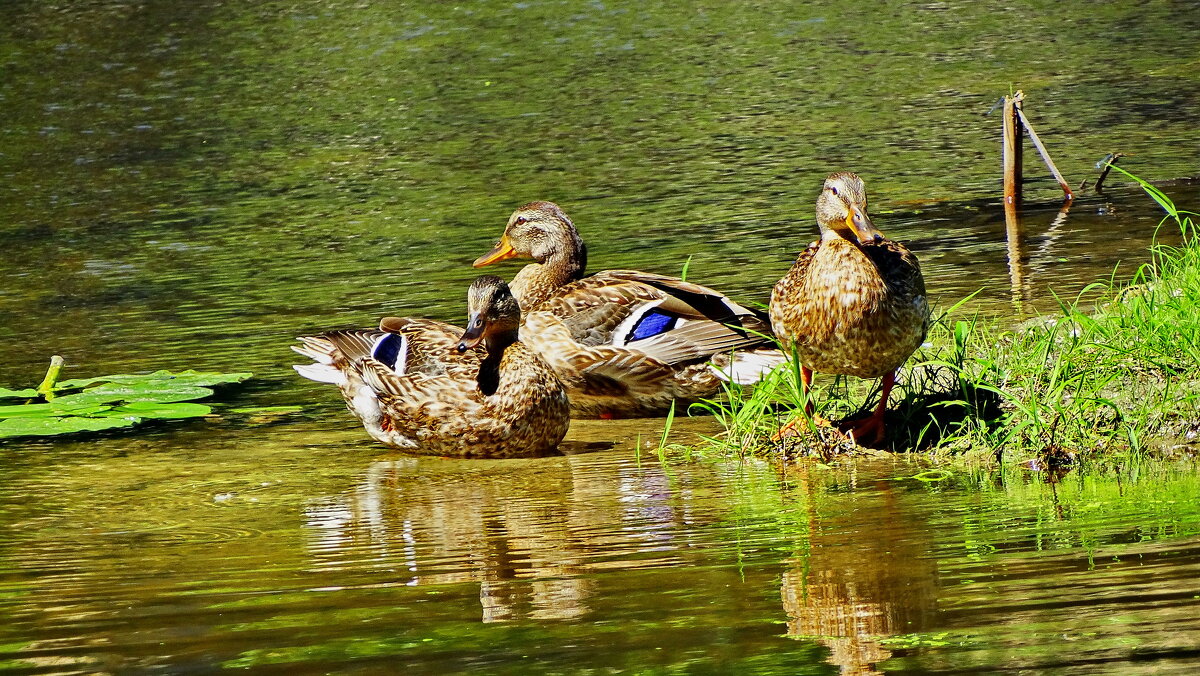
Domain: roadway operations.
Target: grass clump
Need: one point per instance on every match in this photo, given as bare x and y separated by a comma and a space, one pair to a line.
1108, 380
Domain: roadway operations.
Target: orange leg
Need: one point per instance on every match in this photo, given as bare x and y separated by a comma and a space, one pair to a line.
789, 429
805, 387
869, 430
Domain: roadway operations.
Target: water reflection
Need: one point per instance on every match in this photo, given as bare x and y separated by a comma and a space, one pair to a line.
192, 184
316, 556
862, 575
1018, 256
529, 538
1025, 268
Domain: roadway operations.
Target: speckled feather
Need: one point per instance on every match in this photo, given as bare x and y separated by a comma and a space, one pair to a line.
435, 406
573, 330
573, 322
852, 309
526, 416
846, 306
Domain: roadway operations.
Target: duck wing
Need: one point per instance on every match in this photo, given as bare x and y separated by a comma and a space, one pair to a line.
664, 318
789, 304
427, 397
431, 347
898, 267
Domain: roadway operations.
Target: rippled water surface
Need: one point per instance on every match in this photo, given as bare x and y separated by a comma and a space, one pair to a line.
192, 184
222, 547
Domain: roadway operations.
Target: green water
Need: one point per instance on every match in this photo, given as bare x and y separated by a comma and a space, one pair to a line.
191, 185
208, 548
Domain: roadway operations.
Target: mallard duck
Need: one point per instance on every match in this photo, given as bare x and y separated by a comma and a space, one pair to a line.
854, 302
625, 343
433, 388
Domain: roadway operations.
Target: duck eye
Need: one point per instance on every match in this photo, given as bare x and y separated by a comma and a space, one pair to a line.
521, 220
833, 189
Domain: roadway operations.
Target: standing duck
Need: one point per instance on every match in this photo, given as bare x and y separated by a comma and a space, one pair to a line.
433, 388
625, 343
853, 302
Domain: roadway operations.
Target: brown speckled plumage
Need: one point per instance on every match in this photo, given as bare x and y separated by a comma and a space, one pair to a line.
854, 301
445, 396
585, 326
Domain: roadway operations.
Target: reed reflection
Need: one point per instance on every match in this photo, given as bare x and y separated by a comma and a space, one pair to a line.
1018, 256
1024, 266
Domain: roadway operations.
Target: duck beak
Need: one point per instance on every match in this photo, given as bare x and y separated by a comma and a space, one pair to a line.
862, 227
474, 333
503, 251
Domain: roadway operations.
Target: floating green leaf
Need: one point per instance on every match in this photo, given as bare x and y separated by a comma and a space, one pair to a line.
160, 411
183, 378
53, 408
108, 402
149, 391
49, 426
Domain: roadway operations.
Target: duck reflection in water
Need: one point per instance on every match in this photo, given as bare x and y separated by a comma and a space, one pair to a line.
865, 574
525, 530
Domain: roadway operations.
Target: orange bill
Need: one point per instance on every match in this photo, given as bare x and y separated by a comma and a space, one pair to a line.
503, 251
862, 227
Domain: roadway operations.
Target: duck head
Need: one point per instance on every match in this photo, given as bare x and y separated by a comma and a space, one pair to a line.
493, 315
541, 231
842, 210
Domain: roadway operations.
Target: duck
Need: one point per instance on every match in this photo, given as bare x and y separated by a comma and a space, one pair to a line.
853, 303
432, 388
625, 343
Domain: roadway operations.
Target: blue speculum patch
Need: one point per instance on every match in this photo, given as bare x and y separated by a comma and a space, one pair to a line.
652, 323
387, 350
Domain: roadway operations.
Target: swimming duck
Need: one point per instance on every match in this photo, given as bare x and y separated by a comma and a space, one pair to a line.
625, 343
854, 301
433, 388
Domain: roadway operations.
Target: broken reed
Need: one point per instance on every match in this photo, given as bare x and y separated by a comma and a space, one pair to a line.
1015, 125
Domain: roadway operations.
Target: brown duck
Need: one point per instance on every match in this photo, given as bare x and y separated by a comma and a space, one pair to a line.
625, 343
433, 388
854, 301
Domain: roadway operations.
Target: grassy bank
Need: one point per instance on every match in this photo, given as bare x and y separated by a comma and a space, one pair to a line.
1110, 380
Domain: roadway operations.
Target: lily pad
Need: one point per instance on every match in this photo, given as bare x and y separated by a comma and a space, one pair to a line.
183, 378
49, 426
54, 408
157, 391
160, 411
108, 402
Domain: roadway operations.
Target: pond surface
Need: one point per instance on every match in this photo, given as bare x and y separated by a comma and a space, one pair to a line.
218, 547
192, 184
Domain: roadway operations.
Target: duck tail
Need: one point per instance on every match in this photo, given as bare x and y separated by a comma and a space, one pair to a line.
321, 373
747, 366
321, 351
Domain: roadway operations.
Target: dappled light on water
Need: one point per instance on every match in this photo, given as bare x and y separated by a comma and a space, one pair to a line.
193, 184
254, 549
